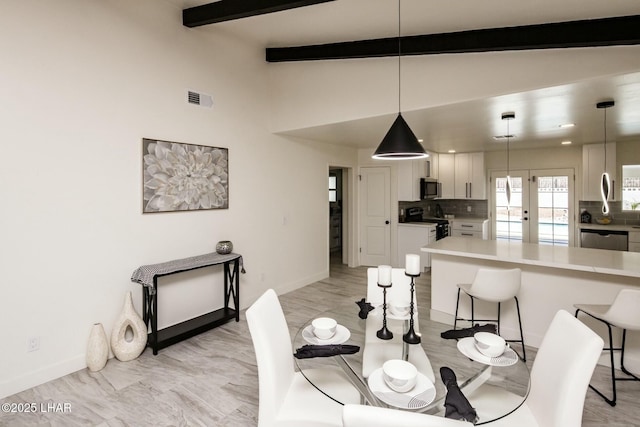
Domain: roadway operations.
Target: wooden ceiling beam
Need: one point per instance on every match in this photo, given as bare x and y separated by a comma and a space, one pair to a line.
623, 30
227, 10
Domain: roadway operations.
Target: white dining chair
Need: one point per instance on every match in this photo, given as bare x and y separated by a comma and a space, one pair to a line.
623, 313
286, 397
560, 377
497, 286
372, 416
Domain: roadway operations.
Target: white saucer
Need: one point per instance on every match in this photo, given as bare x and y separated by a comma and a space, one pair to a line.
342, 335
420, 396
467, 347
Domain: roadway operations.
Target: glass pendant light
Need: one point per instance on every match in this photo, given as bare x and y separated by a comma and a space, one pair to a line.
508, 117
605, 181
400, 143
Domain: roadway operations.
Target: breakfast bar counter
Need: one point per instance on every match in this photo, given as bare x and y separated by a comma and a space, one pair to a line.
553, 278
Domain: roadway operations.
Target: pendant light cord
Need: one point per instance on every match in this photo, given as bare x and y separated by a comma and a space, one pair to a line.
399, 54
605, 139
508, 138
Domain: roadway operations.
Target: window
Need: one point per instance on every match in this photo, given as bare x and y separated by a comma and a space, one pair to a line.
332, 189
630, 187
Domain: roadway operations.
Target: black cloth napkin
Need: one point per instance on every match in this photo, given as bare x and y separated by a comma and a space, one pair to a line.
469, 332
365, 308
456, 404
308, 351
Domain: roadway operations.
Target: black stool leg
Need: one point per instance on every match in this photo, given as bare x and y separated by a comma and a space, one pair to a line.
455, 319
524, 352
612, 401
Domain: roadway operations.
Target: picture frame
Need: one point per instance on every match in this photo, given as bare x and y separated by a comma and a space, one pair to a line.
178, 176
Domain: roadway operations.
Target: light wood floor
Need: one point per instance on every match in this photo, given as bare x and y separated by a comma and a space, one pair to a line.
211, 379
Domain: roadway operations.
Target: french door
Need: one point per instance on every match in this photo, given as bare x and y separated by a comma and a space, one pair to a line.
540, 209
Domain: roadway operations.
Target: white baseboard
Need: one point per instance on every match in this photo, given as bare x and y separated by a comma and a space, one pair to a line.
47, 373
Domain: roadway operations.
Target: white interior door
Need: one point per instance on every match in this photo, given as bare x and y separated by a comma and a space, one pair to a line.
375, 208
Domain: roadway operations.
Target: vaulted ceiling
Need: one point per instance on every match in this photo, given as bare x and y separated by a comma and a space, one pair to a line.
326, 29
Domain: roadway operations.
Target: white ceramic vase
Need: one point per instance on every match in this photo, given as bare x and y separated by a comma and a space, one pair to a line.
97, 348
129, 335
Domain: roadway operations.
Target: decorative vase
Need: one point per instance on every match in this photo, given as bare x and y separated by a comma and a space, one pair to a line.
224, 247
129, 335
97, 348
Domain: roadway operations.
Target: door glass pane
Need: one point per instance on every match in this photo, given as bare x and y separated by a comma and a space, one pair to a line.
509, 218
553, 210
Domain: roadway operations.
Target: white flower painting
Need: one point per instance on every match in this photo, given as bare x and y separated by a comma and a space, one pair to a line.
184, 177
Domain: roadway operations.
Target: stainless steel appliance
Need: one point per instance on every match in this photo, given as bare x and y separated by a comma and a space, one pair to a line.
442, 225
430, 188
604, 239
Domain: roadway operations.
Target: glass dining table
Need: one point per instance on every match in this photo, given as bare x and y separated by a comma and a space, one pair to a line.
478, 377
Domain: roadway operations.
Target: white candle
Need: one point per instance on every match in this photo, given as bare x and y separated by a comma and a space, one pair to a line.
384, 275
412, 264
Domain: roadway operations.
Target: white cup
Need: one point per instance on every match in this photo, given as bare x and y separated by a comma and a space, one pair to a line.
324, 327
491, 345
400, 308
399, 375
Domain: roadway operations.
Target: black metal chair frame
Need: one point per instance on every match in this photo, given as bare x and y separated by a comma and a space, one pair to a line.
473, 320
611, 349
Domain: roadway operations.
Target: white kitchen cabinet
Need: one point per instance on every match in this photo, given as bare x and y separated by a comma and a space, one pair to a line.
469, 176
593, 167
411, 237
473, 228
446, 175
634, 241
409, 174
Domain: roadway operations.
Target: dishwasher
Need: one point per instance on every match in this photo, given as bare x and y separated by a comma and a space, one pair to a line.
604, 239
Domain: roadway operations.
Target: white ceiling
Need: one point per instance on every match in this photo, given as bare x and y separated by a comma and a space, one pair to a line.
467, 126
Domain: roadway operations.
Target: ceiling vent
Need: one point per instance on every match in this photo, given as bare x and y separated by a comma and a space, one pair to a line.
200, 99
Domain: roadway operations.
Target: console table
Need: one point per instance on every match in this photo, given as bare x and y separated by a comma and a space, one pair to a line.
147, 276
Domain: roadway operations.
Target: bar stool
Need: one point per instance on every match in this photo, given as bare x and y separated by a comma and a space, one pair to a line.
497, 286
623, 313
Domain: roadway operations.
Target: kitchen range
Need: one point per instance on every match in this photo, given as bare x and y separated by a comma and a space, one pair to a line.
415, 214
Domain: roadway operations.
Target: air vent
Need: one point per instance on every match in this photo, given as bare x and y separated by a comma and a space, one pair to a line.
201, 99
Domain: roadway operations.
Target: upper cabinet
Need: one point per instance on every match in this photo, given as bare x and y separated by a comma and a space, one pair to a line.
593, 158
469, 176
446, 175
409, 174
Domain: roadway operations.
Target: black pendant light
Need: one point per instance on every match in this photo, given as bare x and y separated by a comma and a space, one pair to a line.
605, 181
400, 143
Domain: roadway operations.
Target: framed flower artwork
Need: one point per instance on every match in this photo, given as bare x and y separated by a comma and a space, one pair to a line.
184, 177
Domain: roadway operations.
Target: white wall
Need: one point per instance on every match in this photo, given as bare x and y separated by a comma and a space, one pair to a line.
314, 93
82, 83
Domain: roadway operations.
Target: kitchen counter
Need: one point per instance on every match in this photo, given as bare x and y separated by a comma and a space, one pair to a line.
553, 278
619, 263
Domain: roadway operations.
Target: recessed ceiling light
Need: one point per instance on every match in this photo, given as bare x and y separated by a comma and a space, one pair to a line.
565, 142
420, 140
567, 125
451, 151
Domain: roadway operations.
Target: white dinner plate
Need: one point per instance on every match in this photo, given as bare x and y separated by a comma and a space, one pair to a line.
341, 336
418, 397
467, 346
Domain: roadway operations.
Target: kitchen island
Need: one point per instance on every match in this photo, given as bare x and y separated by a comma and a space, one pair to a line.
553, 278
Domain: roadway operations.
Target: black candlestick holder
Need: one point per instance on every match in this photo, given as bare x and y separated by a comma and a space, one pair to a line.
384, 333
411, 337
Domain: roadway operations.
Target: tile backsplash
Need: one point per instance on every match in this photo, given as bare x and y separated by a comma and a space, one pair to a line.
458, 207
617, 215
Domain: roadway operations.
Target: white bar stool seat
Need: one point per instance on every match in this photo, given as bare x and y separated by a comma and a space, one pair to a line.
493, 285
623, 313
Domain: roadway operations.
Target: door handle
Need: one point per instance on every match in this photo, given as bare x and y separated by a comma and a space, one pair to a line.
387, 222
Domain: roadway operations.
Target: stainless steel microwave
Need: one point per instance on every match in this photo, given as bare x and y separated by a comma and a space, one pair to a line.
430, 188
